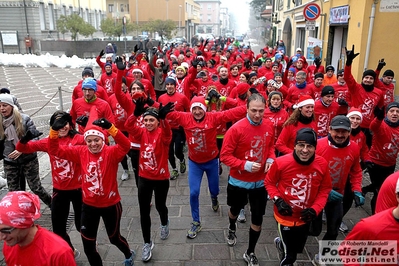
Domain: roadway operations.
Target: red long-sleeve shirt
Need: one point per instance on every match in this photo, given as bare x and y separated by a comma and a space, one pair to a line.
154, 150
78, 92
386, 195
107, 81
277, 119
387, 90
182, 104
82, 107
323, 115
360, 140
342, 162
225, 90
381, 226
201, 136
66, 175
286, 141
362, 99
385, 145
245, 142
99, 171
300, 186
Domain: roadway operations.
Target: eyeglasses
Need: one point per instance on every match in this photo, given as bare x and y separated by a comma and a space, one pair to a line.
7, 231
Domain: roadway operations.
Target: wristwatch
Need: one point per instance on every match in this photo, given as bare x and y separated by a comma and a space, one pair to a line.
274, 199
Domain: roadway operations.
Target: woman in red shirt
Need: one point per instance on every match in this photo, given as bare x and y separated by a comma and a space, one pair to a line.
101, 197
154, 174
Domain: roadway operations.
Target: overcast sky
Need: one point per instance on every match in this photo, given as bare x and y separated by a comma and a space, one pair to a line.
240, 8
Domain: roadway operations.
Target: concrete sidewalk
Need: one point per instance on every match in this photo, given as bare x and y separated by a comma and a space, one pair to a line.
208, 248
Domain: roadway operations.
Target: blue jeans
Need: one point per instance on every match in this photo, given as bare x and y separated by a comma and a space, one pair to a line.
195, 172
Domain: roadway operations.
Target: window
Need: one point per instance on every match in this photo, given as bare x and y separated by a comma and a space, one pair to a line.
110, 8
298, 2
70, 10
201, 17
127, 8
86, 15
122, 8
51, 17
288, 4
63, 10
209, 17
209, 6
42, 17
208, 29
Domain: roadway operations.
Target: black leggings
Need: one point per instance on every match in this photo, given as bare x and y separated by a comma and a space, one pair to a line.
60, 205
348, 197
146, 188
293, 240
176, 146
89, 226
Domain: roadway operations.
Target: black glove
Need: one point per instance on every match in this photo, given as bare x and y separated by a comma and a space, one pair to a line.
289, 63
217, 95
59, 123
29, 136
154, 50
247, 64
136, 48
342, 102
317, 61
212, 93
350, 55
283, 208
150, 101
253, 90
164, 110
379, 112
102, 53
308, 215
139, 110
195, 63
165, 69
381, 64
206, 42
82, 120
119, 63
103, 123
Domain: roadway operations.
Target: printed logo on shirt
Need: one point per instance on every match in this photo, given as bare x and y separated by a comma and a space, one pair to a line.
149, 161
198, 140
391, 148
93, 179
299, 190
120, 113
255, 154
108, 86
367, 108
63, 168
336, 166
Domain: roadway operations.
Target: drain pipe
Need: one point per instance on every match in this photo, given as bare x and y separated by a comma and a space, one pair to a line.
370, 34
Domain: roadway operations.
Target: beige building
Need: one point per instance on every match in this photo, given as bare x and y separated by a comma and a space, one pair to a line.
371, 25
185, 13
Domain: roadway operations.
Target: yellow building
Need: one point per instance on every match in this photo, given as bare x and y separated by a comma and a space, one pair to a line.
370, 25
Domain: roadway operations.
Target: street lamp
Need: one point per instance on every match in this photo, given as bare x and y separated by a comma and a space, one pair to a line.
167, 9
179, 19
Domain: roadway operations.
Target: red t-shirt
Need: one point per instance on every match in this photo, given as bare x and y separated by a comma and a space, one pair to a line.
46, 249
386, 195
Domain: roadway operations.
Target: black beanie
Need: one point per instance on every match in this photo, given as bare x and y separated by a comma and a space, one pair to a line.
369, 72
327, 90
391, 105
388, 73
88, 71
318, 75
307, 135
4, 90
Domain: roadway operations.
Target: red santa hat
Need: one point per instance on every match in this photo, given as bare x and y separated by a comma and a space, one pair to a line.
304, 100
242, 88
198, 101
93, 130
355, 111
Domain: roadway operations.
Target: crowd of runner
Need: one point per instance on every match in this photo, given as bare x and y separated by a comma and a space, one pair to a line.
296, 134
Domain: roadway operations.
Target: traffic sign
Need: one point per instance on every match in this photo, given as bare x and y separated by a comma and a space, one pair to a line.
310, 25
311, 11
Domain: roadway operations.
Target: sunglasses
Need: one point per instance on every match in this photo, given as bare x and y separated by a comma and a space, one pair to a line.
7, 231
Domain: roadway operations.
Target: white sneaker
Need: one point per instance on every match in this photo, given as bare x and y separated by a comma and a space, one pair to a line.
125, 175
241, 217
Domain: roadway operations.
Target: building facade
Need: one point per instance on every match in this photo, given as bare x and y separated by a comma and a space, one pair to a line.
209, 17
368, 24
24, 23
